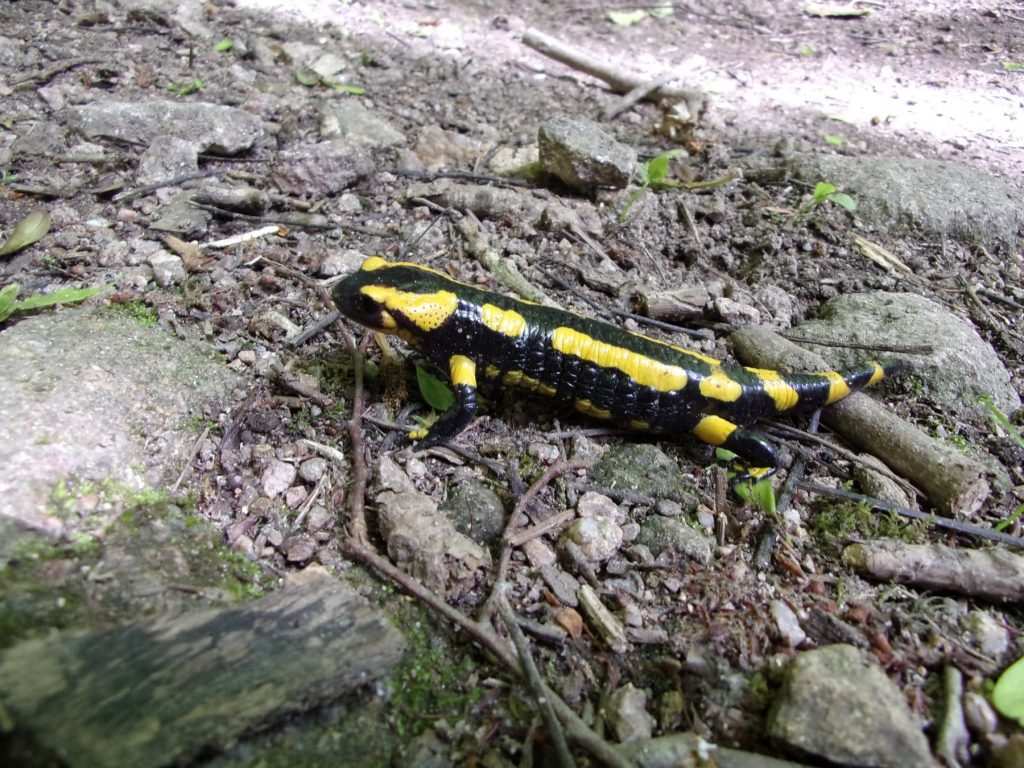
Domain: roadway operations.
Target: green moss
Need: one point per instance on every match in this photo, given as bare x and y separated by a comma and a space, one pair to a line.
434, 679
842, 519
135, 310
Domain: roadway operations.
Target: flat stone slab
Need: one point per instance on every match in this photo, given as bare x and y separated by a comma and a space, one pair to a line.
207, 127
930, 196
96, 397
161, 691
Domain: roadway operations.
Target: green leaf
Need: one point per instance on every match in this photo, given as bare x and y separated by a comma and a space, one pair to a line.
843, 200
306, 77
1013, 66
224, 45
834, 139
806, 51
657, 169
29, 230
822, 191
1003, 524
626, 18
61, 296
8, 295
1000, 418
434, 392
355, 90
763, 494
1008, 695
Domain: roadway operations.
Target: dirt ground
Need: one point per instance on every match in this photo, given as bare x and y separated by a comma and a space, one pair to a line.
920, 80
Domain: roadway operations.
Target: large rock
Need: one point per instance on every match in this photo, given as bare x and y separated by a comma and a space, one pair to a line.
961, 368
98, 398
208, 127
837, 705
932, 196
583, 156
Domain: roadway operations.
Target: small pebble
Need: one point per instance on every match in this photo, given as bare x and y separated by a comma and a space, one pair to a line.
299, 549
311, 470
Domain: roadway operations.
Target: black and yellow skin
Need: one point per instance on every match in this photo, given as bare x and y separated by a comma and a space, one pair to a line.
609, 373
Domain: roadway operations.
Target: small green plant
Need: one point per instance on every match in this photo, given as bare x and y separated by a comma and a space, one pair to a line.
760, 494
9, 304
224, 45
1013, 66
434, 392
1008, 694
806, 51
653, 175
1002, 421
309, 78
186, 87
835, 140
825, 193
8, 178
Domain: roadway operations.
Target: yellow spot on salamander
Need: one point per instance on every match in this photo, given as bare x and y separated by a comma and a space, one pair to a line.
644, 370
428, 311
504, 321
639, 424
373, 263
718, 386
777, 388
492, 371
878, 375
837, 388
713, 430
587, 407
462, 370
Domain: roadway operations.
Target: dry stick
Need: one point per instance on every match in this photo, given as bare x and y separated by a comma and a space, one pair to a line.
131, 194
556, 469
954, 483
45, 75
620, 81
357, 514
529, 670
576, 729
639, 93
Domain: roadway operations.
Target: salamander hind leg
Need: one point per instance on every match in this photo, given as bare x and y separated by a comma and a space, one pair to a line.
458, 417
757, 456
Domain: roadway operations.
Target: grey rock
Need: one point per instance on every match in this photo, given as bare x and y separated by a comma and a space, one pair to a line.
593, 504
583, 156
644, 468
869, 723
341, 263
933, 196
78, 398
277, 478
476, 511
38, 140
423, 541
167, 157
787, 623
961, 368
299, 549
669, 534
987, 634
597, 537
311, 470
207, 127
168, 269
628, 716
563, 585
326, 168
348, 119
182, 220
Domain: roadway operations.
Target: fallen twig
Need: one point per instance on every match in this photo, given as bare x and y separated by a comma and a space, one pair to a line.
991, 574
954, 483
619, 80
529, 670
50, 72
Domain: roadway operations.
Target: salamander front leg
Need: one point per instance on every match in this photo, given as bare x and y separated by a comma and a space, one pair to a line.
757, 454
458, 417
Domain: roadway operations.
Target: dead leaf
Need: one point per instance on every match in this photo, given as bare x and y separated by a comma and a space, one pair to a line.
29, 230
571, 621
882, 257
192, 255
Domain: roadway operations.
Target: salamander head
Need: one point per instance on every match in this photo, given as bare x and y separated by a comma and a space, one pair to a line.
396, 297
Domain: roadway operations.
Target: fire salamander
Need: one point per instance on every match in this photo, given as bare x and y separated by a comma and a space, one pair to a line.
608, 372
